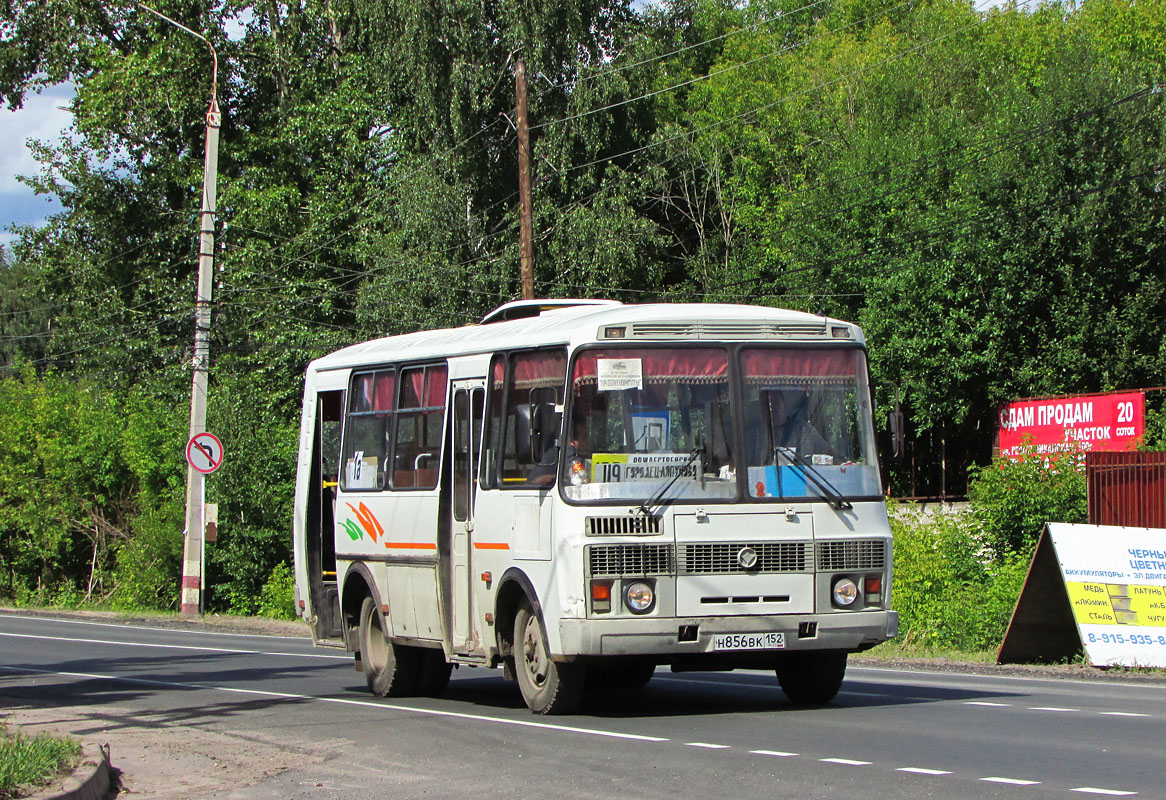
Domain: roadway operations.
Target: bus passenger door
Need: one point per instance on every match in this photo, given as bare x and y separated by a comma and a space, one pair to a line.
320, 533
468, 398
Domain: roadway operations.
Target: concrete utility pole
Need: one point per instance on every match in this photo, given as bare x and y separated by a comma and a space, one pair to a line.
192, 546
524, 212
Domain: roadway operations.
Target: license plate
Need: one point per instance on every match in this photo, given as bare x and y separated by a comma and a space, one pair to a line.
749, 641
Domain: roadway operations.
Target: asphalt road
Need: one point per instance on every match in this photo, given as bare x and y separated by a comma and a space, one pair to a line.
890, 733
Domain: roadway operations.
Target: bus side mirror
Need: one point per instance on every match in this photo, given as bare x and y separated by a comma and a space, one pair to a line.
895, 425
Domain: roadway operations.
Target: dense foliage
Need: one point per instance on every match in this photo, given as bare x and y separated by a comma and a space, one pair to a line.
980, 189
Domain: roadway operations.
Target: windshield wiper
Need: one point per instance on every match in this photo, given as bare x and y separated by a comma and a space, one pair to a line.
646, 507
836, 499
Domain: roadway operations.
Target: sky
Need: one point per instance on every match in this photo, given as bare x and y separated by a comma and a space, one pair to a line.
42, 117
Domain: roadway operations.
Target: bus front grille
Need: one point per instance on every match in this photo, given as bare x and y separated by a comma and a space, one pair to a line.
721, 558
630, 559
852, 554
638, 525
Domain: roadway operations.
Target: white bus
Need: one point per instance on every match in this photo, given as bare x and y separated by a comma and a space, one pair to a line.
581, 490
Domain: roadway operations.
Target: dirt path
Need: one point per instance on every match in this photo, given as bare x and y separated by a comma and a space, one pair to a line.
160, 759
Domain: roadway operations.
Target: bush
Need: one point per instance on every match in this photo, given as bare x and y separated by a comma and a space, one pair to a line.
277, 598
948, 595
957, 577
149, 564
1012, 501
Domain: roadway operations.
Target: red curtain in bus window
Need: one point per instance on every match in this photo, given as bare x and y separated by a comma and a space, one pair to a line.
383, 395
661, 365
423, 387
498, 370
799, 363
435, 386
540, 369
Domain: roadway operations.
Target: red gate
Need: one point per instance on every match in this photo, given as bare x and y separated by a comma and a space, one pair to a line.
1127, 489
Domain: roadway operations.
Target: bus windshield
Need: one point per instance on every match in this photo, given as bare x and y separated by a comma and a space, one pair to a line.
642, 417
807, 419
639, 416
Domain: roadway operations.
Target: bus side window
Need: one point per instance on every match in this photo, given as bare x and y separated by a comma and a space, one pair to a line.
420, 414
366, 428
524, 418
495, 398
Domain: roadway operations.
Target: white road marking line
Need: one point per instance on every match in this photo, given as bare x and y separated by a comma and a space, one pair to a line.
845, 761
1011, 781
707, 745
123, 626
191, 647
1057, 709
942, 680
1122, 714
775, 753
1111, 792
522, 723
865, 694
986, 703
924, 771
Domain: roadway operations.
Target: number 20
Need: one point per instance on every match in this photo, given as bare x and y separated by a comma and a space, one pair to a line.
1125, 412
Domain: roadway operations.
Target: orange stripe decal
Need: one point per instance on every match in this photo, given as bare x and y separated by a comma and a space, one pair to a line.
410, 545
491, 546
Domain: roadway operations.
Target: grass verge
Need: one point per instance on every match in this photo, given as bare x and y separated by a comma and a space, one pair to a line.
28, 761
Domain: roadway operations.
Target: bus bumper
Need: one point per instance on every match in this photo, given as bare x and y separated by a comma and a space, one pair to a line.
679, 636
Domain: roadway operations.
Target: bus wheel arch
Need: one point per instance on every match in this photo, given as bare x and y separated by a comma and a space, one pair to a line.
514, 588
358, 584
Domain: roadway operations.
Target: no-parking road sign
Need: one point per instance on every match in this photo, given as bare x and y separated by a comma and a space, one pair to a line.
204, 453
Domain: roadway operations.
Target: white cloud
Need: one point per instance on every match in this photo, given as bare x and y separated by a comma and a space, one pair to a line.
43, 117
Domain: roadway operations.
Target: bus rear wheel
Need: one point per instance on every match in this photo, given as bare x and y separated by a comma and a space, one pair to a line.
547, 686
390, 670
811, 679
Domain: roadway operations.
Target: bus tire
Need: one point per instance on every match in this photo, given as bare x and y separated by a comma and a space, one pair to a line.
811, 679
434, 672
390, 670
548, 687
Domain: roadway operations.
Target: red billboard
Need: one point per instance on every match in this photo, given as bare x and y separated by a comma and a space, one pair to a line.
1107, 422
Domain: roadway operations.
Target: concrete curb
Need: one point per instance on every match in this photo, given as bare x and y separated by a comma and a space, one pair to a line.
89, 781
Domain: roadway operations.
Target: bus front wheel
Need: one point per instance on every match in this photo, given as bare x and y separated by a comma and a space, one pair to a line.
390, 670
547, 686
811, 679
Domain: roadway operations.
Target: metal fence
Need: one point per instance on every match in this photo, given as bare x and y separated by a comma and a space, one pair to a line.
1127, 489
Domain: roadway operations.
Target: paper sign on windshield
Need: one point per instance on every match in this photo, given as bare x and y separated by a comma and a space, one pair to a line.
617, 374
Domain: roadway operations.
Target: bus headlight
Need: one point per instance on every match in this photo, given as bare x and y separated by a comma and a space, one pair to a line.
639, 597
845, 592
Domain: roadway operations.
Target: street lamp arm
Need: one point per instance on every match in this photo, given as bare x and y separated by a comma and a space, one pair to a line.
214, 56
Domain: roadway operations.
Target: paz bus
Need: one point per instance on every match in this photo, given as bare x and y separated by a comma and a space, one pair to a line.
582, 491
